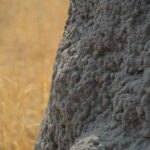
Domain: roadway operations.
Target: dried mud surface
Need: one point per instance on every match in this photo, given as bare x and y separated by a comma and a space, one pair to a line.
100, 92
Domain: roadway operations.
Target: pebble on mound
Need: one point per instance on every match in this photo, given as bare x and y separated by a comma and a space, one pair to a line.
100, 92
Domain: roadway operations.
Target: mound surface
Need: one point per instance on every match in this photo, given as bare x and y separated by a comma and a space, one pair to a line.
100, 92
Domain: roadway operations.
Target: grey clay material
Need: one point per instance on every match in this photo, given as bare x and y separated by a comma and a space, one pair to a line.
100, 92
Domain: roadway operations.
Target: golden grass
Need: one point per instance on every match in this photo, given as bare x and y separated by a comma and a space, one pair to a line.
30, 31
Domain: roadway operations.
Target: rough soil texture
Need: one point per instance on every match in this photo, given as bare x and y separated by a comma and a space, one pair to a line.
100, 93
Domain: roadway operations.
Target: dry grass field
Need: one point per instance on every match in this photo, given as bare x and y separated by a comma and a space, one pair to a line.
30, 31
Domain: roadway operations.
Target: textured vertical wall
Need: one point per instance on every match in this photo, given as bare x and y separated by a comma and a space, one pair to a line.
100, 93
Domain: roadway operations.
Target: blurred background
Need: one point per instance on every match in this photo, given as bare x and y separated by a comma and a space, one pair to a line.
30, 31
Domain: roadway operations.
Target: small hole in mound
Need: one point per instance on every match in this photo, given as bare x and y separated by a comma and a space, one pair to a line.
63, 126
139, 71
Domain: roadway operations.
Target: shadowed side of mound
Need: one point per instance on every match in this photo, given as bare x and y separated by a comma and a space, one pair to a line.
100, 92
